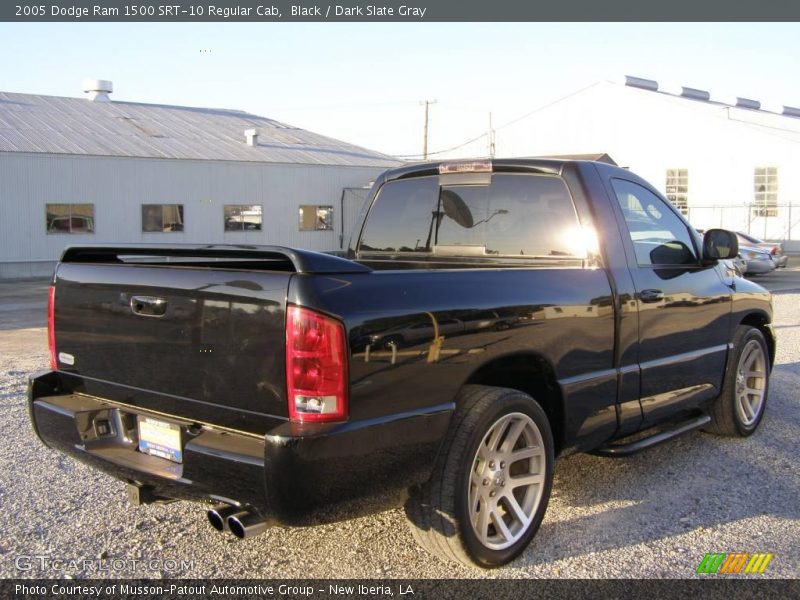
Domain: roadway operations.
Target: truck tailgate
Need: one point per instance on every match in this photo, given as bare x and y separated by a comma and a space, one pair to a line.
205, 344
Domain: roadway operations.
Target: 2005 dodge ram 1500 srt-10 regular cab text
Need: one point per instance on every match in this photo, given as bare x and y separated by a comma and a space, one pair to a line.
490, 316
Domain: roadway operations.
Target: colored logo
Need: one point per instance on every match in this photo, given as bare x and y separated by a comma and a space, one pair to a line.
734, 563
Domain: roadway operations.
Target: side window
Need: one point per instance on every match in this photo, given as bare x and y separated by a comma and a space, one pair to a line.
659, 236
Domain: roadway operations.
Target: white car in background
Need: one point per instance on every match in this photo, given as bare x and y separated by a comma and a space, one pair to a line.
758, 261
752, 259
774, 248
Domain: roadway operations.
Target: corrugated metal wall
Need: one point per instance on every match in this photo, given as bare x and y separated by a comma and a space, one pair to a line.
119, 186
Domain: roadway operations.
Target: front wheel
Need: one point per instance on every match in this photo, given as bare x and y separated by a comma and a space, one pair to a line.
740, 406
491, 484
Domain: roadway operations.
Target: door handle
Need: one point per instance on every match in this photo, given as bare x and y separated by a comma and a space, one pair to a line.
148, 306
651, 295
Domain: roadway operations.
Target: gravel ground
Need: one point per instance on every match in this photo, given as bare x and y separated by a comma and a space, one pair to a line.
652, 515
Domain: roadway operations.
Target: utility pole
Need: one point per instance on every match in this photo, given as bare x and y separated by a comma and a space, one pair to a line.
491, 137
427, 104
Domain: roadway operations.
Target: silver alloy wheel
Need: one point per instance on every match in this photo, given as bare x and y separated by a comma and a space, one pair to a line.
751, 378
507, 481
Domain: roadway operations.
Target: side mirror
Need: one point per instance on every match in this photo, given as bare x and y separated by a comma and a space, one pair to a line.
719, 244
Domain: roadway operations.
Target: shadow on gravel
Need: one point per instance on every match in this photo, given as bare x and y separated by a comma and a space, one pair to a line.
697, 482
694, 483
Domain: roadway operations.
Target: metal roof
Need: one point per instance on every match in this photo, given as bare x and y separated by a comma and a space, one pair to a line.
705, 97
60, 125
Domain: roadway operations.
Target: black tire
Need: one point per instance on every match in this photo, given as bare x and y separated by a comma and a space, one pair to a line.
726, 418
439, 513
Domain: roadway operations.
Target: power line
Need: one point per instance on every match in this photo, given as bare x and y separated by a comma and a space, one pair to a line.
548, 105
475, 139
490, 135
343, 106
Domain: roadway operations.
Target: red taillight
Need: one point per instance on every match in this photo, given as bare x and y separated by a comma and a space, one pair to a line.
51, 326
316, 366
774, 250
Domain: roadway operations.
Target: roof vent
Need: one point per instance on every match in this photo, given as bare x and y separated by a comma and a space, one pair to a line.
695, 94
645, 84
251, 135
791, 111
747, 103
98, 89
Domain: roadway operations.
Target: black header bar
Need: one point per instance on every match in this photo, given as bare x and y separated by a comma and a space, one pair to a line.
391, 11
708, 588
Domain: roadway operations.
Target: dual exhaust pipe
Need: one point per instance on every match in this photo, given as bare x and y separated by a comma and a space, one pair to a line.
241, 523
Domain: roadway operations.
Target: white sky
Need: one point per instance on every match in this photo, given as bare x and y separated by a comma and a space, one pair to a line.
363, 83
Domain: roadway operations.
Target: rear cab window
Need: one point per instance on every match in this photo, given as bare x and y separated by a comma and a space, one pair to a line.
511, 215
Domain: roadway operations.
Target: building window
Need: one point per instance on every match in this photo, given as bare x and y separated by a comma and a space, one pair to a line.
243, 217
766, 192
316, 218
162, 217
678, 189
70, 218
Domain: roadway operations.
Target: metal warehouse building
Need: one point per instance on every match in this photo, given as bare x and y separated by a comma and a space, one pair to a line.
725, 162
92, 170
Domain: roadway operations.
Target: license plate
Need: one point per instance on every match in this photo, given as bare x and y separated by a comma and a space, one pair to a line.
160, 439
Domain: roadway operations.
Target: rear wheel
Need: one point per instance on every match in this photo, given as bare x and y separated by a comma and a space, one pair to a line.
740, 407
491, 484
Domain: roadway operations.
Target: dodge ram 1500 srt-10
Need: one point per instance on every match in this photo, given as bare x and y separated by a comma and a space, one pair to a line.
489, 317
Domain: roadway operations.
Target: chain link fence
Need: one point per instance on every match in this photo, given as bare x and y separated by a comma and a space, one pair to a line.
782, 224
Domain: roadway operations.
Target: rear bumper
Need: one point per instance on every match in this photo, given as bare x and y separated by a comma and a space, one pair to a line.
759, 267
286, 475
216, 465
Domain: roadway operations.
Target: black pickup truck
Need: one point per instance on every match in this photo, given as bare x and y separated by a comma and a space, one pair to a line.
489, 317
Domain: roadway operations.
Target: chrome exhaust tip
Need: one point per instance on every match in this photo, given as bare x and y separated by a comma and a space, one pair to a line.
245, 524
218, 516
